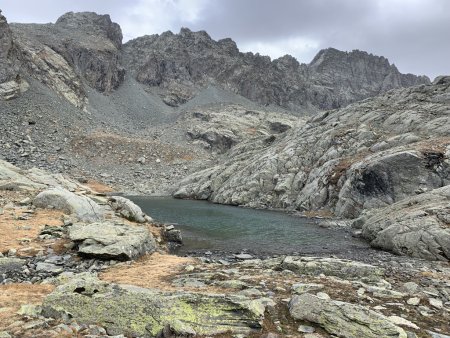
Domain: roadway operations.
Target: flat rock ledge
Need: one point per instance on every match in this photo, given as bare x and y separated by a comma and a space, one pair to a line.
108, 240
314, 266
343, 319
134, 311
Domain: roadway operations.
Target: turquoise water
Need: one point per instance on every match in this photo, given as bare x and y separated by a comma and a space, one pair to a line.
206, 226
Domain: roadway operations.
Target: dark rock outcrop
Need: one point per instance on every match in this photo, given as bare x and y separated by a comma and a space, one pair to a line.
79, 46
192, 59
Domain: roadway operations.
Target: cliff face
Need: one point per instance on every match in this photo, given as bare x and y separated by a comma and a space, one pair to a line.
190, 60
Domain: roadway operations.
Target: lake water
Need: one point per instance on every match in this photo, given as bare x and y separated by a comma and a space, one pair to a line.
206, 226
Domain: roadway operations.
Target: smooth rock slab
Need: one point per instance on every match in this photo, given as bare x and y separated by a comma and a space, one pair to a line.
135, 311
85, 209
107, 240
314, 266
343, 319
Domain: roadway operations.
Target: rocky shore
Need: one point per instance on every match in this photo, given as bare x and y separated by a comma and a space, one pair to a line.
76, 262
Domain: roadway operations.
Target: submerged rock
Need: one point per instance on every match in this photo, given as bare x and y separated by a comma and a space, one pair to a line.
135, 311
82, 207
107, 240
343, 319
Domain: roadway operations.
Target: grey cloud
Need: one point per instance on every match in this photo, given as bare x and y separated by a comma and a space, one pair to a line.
413, 34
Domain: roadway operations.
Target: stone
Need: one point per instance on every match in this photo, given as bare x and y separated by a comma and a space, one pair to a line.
435, 302
300, 288
49, 267
30, 310
437, 335
314, 266
127, 209
84, 208
343, 319
134, 311
173, 236
243, 256
106, 240
403, 322
410, 287
413, 301
306, 329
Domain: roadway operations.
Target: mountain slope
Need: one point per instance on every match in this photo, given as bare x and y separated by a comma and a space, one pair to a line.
182, 63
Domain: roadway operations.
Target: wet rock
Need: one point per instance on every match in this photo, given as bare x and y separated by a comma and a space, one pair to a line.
107, 240
135, 311
84, 208
343, 319
314, 266
127, 209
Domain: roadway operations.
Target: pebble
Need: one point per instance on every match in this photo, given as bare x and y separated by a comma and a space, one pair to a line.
306, 329
437, 303
413, 301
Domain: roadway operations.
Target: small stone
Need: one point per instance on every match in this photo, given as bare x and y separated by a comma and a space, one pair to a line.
323, 295
243, 256
306, 329
413, 301
403, 322
12, 252
437, 303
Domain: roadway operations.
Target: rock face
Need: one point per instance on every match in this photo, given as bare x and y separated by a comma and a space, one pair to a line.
181, 63
84, 208
79, 46
343, 319
368, 155
418, 226
146, 313
108, 240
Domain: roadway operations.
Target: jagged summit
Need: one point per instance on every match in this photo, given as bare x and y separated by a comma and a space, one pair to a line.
190, 60
85, 50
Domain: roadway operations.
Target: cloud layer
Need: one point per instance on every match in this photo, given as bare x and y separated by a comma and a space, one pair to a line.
414, 34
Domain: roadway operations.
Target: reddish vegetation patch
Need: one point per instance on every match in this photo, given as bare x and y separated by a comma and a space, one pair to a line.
13, 296
21, 234
98, 187
151, 271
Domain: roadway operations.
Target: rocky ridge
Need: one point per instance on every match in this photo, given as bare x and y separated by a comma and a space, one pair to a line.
368, 155
180, 64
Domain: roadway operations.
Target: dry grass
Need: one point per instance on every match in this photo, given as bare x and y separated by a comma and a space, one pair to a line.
98, 187
20, 234
13, 296
151, 271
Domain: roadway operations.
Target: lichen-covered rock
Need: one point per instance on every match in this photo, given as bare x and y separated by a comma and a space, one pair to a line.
10, 264
314, 266
418, 226
134, 311
108, 240
84, 208
343, 319
128, 209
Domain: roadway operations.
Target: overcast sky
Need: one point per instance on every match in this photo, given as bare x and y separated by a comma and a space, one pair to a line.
413, 34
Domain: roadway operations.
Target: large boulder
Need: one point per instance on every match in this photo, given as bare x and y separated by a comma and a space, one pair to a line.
107, 240
84, 208
128, 209
343, 319
314, 266
418, 226
134, 311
